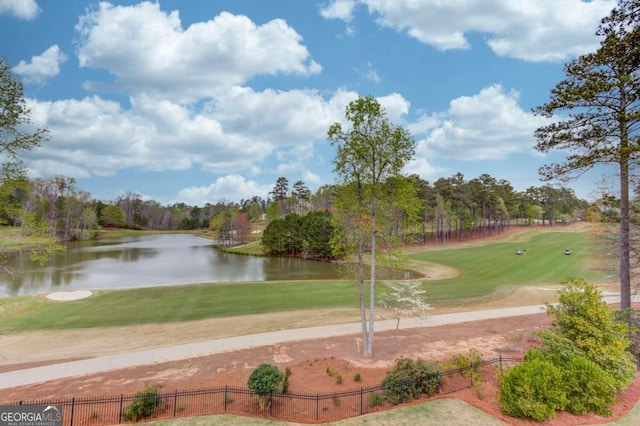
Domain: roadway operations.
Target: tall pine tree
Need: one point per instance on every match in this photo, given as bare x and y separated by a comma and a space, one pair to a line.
602, 98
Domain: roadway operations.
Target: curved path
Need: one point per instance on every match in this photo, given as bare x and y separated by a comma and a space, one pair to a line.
191, 350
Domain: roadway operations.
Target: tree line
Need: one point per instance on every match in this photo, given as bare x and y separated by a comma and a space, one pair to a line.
449, 208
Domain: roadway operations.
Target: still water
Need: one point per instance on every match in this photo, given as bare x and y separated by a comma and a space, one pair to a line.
151, 260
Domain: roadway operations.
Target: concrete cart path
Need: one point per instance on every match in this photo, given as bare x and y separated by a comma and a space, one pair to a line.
190, 350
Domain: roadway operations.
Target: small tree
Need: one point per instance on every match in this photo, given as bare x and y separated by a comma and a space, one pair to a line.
368, 153
405, 299
264, 380
280, 192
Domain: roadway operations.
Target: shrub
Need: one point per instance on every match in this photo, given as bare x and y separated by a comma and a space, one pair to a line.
264, 380
532, 389
585, 319
467, 365
377, 400
589, 389
285, 381
144, 404
409, 380
357, 377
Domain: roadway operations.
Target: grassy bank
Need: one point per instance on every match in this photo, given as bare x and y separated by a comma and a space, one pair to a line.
483, 270
11, 238
250, 249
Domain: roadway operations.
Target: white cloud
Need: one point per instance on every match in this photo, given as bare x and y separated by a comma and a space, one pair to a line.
41, 67
395, 105
338, 9
487, 126
22, 9
148, 51
230, 135
370, 74
311, 178
45, 168
532, 30
423, 168
230, 188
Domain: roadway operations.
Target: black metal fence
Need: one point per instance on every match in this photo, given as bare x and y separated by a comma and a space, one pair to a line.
297, 407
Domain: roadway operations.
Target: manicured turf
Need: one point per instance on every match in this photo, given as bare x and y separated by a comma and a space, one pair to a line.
178, 303
483, 270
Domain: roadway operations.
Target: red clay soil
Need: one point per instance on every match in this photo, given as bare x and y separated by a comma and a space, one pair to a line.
310, 360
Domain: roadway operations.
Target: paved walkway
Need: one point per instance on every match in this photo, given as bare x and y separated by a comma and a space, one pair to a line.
191, 350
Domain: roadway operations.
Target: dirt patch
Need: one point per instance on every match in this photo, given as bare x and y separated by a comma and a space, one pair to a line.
310, 361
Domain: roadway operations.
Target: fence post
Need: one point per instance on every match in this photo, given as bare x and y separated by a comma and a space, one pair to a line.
500, 362
361, 400
225, 397
73, 407
317, 406
120, 412
175, 402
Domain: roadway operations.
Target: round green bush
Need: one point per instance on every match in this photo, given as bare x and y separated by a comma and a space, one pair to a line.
532, 389
265, 379
144, 404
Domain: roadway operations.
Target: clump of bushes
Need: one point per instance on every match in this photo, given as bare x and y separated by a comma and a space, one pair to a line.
582, 363
410, 380
144, 404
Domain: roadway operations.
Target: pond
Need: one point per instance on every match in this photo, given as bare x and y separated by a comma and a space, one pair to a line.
154, 260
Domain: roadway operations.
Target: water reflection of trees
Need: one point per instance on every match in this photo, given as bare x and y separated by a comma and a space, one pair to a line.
176, 260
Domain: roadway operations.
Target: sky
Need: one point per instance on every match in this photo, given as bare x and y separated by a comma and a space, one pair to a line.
203, 101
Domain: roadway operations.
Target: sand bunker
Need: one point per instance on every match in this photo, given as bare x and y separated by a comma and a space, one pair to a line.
63, 296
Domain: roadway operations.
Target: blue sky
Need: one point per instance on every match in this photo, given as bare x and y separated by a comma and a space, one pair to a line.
201, 101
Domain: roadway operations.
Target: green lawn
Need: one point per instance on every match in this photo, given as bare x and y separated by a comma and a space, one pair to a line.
437, 412
176, 303
483, 270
